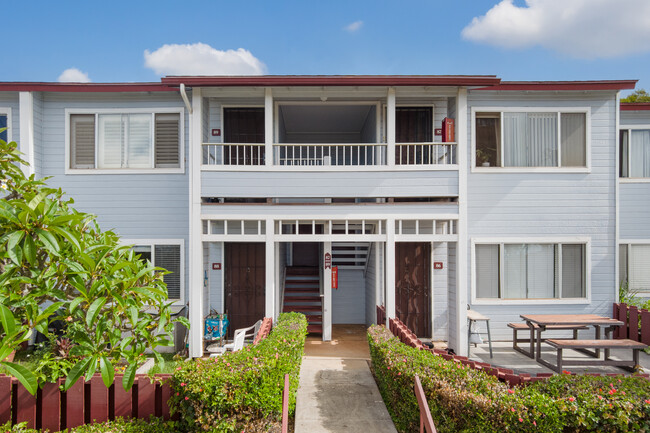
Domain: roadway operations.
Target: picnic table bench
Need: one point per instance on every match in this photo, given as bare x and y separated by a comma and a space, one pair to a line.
517, 327
607, 345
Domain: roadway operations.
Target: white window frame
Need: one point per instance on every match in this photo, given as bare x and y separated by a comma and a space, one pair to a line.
152, 243
125, 110
586, 241
6, 111
629, 243
630, 128
531, 109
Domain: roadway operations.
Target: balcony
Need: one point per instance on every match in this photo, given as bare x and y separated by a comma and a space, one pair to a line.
336, 156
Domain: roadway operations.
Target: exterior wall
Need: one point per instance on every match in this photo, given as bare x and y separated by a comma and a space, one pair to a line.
10, 100
136, 206
503, 205
349, 301
329, 183
440, 290
452, 314
215, 277
634, 206
38, 133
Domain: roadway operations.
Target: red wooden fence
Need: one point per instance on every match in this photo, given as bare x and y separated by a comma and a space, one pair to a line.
636, 323
83, 403
426, 421
285, 405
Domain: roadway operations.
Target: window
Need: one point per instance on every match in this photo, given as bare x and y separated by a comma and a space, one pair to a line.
3, 124
530, 139
125, 140
634, 153
167, 256
530, 270
633, 267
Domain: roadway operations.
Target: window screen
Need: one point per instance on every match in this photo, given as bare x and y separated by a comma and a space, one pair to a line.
169, 257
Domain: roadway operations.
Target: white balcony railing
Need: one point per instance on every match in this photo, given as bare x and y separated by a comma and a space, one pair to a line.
329, 154
337, 155
425, 153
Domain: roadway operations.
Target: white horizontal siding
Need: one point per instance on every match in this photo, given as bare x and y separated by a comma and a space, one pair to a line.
630, 118
504, 205
349, 301
440, 292
371, 279
146, 206
38, 133
330, 184
634, 211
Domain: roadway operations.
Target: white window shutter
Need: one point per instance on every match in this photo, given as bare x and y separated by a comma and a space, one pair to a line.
169, 257
167, 140
82, 141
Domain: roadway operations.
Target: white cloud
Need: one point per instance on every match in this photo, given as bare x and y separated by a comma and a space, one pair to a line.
354, 27
202, 59
579, 28
73, 75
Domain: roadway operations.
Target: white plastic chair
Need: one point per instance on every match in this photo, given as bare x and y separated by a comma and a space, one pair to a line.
238, 340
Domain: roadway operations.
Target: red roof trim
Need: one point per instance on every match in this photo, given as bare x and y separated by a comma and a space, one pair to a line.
635, 106
333, 80
564, 85
85, 87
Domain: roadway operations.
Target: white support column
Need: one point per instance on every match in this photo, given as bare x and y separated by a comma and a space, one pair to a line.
327, 298
432, 290
269, 310
196, 228
268, 126
278, 283
26, 109
462, 256
390, 127
378, 276
390, 269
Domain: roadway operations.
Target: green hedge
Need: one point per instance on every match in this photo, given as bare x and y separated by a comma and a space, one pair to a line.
236, 389
462, 399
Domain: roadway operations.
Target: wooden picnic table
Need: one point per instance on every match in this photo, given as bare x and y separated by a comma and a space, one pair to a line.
548, 320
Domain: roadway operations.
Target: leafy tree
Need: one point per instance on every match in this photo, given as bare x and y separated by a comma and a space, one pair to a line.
639, 95
57, 265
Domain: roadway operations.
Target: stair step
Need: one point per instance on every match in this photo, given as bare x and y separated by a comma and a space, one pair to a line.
314, 318
302, 308
302, 289
315, 298
315, 329
297, 270
315, 280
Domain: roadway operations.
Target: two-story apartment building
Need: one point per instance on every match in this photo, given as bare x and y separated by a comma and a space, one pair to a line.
333, 194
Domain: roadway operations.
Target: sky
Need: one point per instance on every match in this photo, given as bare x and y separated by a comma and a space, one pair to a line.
141, 40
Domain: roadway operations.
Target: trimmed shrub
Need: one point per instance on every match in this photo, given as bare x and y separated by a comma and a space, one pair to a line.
119, 425
244, 387
462, 399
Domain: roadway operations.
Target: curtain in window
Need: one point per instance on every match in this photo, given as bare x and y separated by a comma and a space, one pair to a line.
487, 271
530, 271
514, 271
111, 137
573, 271
622, 263
640, 153
639, 271
574, 138
530, 139
138, 140
624, 148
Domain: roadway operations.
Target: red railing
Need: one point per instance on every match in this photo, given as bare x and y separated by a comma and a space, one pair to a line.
285, 405
265, 330
83, 403
636, 323
426, 421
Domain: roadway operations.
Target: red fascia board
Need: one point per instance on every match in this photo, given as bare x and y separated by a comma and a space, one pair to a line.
563, 85
85, 87
332, 80
635, 106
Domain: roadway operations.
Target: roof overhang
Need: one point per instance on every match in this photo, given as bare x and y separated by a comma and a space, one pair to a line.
331, 80
563, 85
85, 87
635, 106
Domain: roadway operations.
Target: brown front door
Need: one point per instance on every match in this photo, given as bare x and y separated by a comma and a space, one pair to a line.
245, 279
413, 125
412, 286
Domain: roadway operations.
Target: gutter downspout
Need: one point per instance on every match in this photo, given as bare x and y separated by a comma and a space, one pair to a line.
185, 99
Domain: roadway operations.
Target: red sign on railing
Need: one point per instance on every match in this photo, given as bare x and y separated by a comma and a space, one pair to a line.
335, 277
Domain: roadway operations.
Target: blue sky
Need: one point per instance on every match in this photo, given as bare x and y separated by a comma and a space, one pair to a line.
513, 39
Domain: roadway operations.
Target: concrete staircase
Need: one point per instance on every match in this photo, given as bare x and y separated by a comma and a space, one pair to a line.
302, 295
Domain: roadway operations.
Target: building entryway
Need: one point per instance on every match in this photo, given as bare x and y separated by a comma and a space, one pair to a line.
244, 280
348, 341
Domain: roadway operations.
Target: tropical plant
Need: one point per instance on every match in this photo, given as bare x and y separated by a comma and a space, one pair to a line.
639, 95
57, 265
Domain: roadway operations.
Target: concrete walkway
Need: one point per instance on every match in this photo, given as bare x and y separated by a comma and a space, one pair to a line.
337, 392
